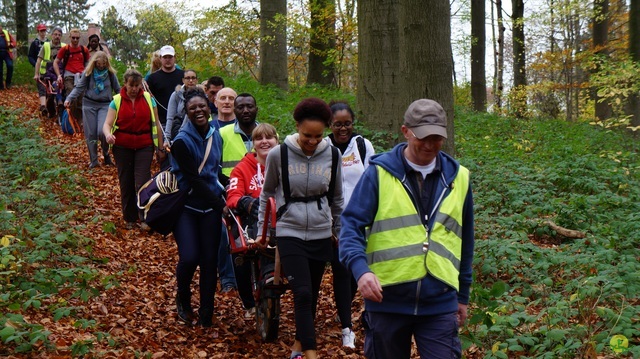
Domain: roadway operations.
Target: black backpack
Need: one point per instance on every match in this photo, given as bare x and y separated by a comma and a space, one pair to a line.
286, 188
362, 149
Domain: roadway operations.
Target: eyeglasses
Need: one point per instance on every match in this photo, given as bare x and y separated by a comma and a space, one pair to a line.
75, 37
188, 78
338, 125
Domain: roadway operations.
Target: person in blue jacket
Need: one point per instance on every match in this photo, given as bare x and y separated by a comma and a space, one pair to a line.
408, 239
198, 229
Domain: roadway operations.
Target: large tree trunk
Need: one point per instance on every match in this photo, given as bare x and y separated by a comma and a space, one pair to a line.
426, 60
322, 42
600, 43
519, 54
22, 27
634, 50
273, 43
478, 52
379, 97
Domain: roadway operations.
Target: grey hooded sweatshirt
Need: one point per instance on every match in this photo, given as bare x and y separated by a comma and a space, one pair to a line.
308, 176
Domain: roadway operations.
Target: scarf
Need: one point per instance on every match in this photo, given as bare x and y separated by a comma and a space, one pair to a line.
99, 76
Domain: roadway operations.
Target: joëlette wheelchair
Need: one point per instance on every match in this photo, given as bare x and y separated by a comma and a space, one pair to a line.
267, 280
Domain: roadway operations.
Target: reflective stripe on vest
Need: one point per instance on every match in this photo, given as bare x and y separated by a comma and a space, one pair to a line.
46, 56
7, 38
117, 99
233, 149
396, 239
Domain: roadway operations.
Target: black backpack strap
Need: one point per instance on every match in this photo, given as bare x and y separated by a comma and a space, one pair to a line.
362, 149
335, 157
284, 163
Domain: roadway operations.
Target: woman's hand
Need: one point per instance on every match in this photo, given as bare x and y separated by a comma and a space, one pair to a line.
161, 155
111, 138
67, 103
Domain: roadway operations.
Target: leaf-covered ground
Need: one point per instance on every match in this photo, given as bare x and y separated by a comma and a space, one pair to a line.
139, 313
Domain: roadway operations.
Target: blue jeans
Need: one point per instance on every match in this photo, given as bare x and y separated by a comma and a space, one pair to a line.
198, 237
4, 57
388, 335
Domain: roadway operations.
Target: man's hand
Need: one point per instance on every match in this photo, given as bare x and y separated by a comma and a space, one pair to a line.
462, 314
370, 288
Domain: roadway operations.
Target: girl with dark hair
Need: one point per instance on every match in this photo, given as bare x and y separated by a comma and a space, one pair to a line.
356, 152
196, 155
309, 208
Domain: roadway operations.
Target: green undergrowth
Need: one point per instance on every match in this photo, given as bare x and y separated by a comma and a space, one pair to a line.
538, 294
45, 265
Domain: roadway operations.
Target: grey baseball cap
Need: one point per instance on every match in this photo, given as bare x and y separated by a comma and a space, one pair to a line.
425, 118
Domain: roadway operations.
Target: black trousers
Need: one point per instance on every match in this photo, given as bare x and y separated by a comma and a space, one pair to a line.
134, 169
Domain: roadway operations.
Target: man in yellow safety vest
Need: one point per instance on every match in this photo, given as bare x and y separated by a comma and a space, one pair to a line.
408, 240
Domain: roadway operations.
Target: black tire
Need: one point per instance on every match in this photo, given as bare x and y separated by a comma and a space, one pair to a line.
268, 316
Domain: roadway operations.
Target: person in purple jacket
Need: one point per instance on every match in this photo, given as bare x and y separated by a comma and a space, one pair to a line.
408, 240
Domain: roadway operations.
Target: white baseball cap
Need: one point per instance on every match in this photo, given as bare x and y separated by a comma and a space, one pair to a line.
167, 50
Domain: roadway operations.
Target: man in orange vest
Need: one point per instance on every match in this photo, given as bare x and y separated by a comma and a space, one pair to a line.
7, 44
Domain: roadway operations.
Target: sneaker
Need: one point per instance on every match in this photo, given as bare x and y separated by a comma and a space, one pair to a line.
348, 338
250, 313
296, 356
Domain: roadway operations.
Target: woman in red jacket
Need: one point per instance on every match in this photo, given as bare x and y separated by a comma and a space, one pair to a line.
133, 129
243, 196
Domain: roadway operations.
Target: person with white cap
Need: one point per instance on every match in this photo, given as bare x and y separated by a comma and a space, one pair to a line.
163, 82
408, 241
36, 44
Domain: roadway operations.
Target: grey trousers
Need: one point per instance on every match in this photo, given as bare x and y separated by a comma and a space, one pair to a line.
93, 116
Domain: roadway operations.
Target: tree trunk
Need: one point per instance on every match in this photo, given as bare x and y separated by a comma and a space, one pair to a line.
322, 42
22, 27
600, 43
426, 64
379, 97
500, 63
519, 54
634, 50
478, 53
273, 43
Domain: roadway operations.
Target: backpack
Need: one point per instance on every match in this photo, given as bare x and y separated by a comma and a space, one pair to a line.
67, 53
286, 188
362, 149
65, 124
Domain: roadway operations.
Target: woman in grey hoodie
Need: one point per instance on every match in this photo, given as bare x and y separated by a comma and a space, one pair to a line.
308, 212
98, 83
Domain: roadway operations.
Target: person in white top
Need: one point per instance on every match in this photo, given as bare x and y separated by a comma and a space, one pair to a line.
356, 151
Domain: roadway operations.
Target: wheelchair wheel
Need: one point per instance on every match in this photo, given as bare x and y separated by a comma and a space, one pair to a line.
268, 315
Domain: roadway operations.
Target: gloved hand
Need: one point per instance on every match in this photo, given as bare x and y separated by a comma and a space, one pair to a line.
249, 206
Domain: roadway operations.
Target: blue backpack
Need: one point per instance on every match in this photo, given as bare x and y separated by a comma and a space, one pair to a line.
65, 124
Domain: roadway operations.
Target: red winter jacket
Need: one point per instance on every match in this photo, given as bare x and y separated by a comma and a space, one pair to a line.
246, 179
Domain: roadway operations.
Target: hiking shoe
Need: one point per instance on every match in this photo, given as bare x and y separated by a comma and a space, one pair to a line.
250, 313
108, 161
228, 288
130, 225
185, 313
43, 111
145, 227
348, 338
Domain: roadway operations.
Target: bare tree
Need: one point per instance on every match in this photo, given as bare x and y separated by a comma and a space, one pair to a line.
322, 42
478, 53
600, 42
273, 43
634, 50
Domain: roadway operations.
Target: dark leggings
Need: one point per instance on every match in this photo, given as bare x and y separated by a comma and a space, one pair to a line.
344, 289
305, 276
134, 169
198, 237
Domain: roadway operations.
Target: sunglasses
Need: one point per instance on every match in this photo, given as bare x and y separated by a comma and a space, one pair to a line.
190, 78
75, 37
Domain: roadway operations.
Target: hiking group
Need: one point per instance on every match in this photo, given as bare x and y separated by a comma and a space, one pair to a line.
398, 227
